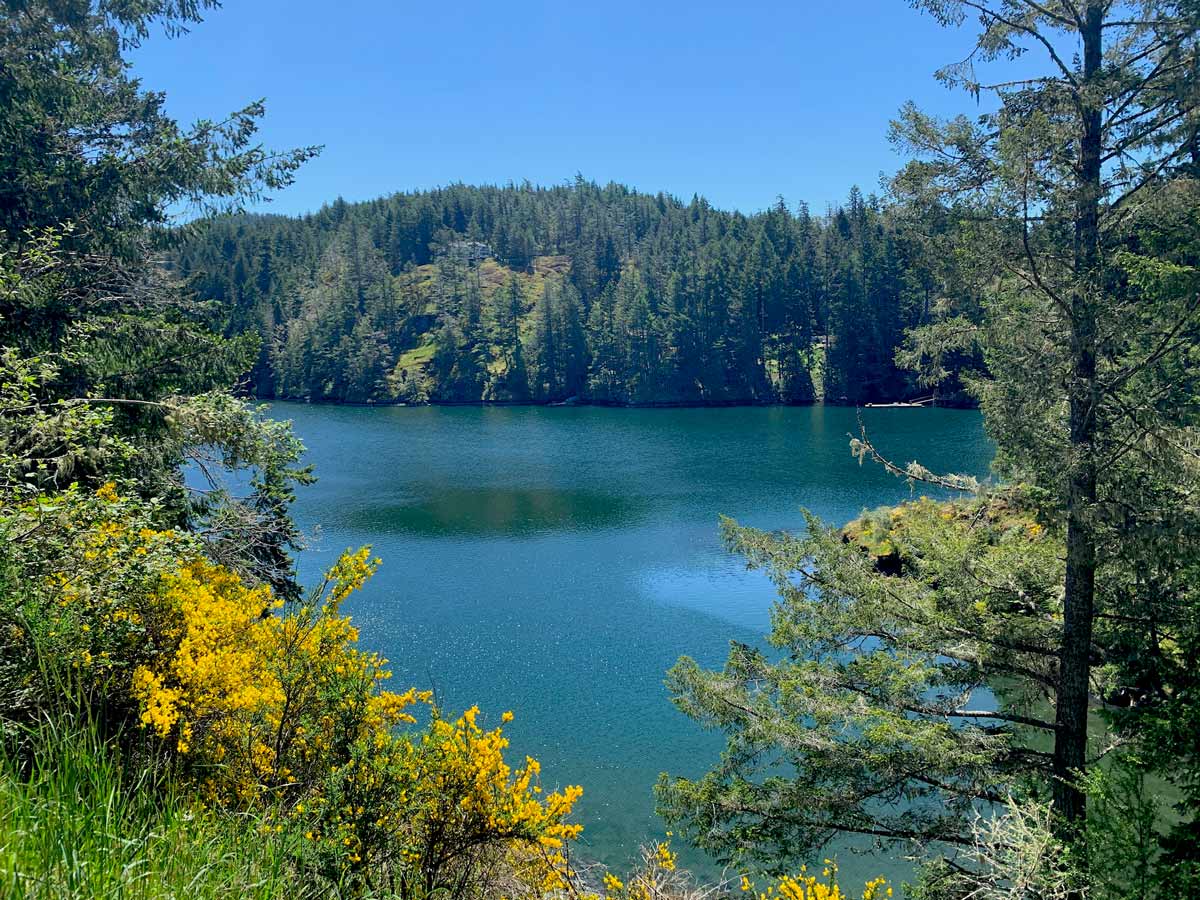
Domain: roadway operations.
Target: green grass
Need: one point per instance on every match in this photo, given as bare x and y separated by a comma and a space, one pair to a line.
74, 824
416, 357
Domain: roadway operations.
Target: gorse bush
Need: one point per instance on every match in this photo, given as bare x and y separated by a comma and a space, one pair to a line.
660, 878
264, 707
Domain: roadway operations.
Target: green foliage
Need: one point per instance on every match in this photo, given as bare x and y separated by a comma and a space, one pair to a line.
94, 170
62, 422
1082, 192
1072, 316
77, 824
892, 705
82, 142
620, 297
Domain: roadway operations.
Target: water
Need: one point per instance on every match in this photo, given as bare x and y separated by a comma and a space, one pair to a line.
556, 562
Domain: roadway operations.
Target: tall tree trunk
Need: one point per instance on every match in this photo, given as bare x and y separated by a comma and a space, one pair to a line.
1070, 748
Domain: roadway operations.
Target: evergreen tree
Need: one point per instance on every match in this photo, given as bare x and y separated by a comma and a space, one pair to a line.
545, 371
92, 170
573, 350
504, 331
639, 340
1068, 590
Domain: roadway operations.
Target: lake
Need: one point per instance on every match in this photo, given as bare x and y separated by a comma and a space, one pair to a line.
556, 561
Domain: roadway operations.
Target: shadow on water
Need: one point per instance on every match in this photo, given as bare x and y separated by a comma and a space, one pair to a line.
498, 511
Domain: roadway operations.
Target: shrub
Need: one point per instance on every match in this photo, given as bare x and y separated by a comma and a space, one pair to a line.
267, 708
660, 878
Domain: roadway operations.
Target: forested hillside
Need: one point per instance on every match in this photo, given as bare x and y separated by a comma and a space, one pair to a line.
600, 294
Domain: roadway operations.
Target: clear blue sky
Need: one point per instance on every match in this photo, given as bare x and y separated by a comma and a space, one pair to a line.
739, 102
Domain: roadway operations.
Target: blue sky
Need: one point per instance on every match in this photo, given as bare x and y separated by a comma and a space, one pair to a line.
739, 102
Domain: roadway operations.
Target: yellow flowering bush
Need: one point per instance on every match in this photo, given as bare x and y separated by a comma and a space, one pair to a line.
427, 808
81, 574
272, 708
806, 886
659, 878
259, 702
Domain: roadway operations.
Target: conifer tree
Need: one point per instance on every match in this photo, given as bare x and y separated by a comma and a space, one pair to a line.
92, 173
871, 721
545, 372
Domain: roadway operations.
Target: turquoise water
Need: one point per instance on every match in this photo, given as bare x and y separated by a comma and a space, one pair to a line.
557, 561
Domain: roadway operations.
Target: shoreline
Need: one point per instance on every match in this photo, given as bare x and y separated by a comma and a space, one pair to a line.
563, 404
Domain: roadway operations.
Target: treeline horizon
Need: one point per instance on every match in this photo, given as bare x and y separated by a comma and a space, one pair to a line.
584, 293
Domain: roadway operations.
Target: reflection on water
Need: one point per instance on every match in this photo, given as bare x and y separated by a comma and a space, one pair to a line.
500, 511
557, 562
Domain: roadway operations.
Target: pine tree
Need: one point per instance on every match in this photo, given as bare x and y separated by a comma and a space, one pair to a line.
545, 372
868, 719
92, 172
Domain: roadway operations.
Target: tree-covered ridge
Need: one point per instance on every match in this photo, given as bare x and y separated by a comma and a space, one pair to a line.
603, 294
